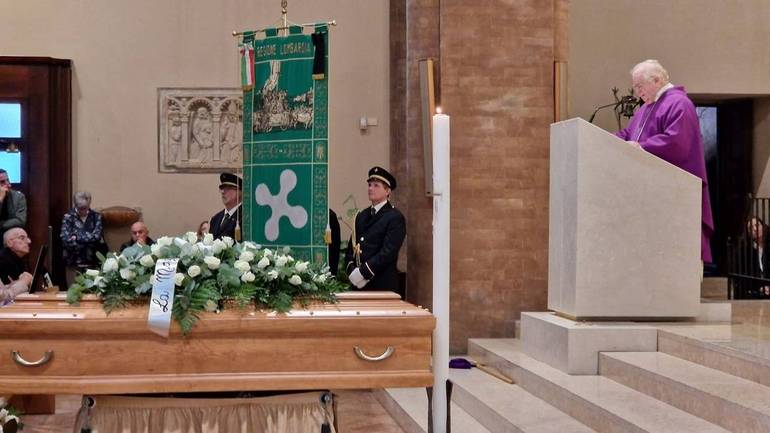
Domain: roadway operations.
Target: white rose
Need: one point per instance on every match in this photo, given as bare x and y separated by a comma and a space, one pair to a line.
208, 239
194, 271
242, 265
250, 245
110, 265
127, 274
3, 414
99, 281
212, 262
147, 261
320, 278
301, 266
281, 261
165, 241
180, 242
191, 237
267, 253
295, 279
178, 278
263, 263
218, 246
291, 259
228, 241
272, 275
155, 249
248, 277
246, 256
92, 272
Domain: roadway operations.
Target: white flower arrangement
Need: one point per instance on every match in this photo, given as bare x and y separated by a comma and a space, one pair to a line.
209, 273
8, 416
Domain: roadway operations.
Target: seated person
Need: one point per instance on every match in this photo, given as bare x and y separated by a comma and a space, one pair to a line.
139, 235
81, 236
13, 205
13, 267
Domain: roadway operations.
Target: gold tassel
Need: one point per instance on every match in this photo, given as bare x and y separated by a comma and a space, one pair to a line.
328, 235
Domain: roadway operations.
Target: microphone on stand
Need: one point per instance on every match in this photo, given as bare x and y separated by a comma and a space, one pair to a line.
601, 107
623, 106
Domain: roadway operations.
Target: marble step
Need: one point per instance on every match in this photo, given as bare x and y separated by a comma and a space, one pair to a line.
409, 407
598, 402
740, 350
502, 407
732, 402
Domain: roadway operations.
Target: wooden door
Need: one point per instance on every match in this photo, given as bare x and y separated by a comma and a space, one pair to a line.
43, 86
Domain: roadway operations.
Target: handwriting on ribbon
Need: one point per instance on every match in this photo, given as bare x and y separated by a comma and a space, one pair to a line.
162, 301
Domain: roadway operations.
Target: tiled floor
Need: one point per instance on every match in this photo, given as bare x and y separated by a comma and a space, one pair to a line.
357, 412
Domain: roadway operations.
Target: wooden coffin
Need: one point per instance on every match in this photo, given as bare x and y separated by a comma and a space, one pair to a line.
323, 346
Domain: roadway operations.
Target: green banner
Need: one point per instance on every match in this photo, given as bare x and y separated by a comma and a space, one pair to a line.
285, 143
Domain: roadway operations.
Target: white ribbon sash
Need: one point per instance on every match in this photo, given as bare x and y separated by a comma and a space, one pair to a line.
162, 300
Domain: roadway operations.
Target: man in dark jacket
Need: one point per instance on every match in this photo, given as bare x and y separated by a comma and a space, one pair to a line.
377, 236
227, 222
13, 265
13, 205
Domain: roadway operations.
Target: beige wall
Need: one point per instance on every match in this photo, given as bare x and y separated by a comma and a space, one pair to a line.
123, 51
709, 46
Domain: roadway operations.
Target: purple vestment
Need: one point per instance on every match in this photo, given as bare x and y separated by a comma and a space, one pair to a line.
669, 129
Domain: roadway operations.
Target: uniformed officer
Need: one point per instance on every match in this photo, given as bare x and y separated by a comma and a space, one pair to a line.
227, 222
377, 236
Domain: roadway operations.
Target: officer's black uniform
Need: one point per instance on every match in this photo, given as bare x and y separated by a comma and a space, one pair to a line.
217, 227
379, 237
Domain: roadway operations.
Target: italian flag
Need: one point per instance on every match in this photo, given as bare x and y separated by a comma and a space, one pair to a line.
247, 65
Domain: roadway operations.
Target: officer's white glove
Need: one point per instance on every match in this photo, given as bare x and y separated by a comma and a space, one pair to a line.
357, 279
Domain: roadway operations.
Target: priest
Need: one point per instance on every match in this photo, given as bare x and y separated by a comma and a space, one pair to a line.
667, 126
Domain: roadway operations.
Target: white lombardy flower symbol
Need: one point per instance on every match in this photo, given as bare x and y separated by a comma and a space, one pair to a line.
279, 205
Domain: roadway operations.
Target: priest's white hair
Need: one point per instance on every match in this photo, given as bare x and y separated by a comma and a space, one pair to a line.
651, 69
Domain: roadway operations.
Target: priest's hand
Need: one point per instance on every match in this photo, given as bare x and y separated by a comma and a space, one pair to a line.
635, 144
357, 279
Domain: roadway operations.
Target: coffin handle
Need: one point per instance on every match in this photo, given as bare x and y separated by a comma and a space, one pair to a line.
23, 362
385, 355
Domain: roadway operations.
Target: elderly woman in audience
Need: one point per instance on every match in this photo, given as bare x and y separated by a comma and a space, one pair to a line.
81, 235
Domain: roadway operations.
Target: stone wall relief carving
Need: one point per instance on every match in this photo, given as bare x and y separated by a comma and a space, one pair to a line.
200, 130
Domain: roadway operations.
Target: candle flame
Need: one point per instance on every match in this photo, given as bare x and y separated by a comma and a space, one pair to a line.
438, 110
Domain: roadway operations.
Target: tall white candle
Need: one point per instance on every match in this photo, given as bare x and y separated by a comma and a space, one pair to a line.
441, 220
